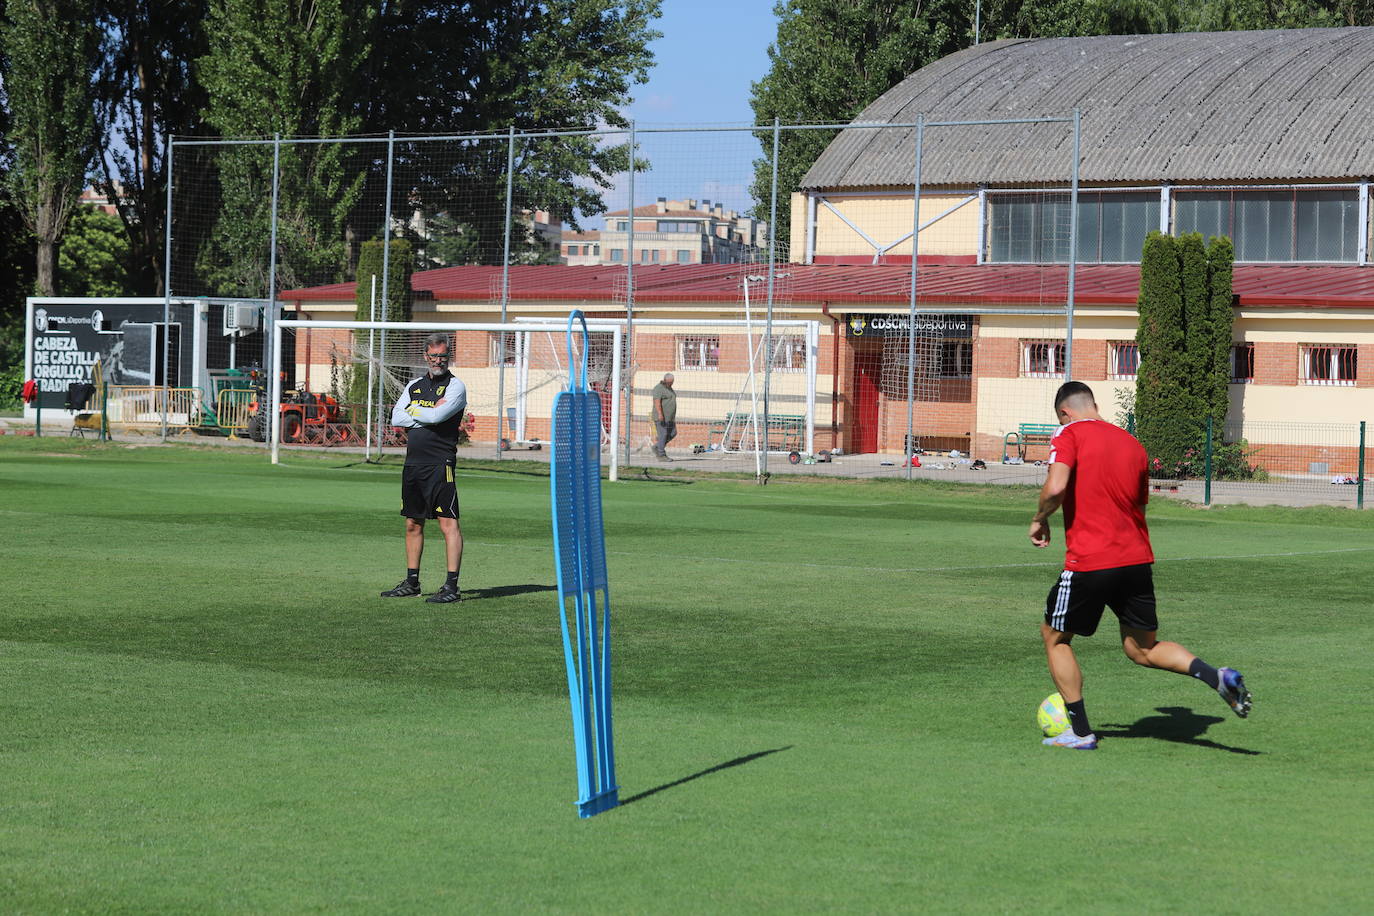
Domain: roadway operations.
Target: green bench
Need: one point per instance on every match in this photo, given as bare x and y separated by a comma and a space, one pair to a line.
785, 433
1027, 434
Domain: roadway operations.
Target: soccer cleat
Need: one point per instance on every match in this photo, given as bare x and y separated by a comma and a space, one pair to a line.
408, 588
1231, 686
446, 595
1069, 740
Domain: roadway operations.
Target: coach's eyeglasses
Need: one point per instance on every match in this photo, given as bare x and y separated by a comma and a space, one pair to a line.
438, 357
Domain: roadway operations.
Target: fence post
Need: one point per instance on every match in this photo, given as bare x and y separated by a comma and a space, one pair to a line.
1359, 489
1207, 467
628, 377
386, 292
1130, 422
505, 292
38, 413
1073, 248
910, 449
772, 280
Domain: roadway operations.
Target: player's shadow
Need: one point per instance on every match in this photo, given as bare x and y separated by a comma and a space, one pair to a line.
738, 761
1178, 724
504, 591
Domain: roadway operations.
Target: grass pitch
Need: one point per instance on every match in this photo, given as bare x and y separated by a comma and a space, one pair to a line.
825, 699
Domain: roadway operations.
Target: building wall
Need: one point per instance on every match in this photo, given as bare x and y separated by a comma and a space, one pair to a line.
886, 220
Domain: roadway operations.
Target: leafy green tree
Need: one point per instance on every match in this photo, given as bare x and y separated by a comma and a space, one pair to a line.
1196, 357
1216, 394
284, 68
831, 59
1164, 423
50, 49
146, 89
481, 67
94, 257
398, 306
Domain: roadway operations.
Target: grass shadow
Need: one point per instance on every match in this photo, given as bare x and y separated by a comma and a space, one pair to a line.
503, 591
1178, 724
738, 761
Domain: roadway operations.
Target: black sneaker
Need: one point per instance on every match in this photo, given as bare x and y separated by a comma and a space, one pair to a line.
408, 588
445, 595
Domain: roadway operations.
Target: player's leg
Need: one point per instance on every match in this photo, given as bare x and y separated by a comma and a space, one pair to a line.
444, 498
1072, 607
415, 542
412, 508
1064, 670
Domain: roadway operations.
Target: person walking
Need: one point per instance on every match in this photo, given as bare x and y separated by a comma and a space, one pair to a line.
430, 408
665, 416
1098, 473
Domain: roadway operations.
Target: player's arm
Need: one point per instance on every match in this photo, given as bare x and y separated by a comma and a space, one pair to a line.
454, 401
399, 416
1051, 498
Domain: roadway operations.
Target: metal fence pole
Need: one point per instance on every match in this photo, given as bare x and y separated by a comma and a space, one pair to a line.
386, 301
910, 449
1207, 467
167, 279
629, 378
772, 281
269, 311
1073, 251
505, 291
1359, 489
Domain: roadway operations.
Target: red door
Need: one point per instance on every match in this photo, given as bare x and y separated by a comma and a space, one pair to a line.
866, 368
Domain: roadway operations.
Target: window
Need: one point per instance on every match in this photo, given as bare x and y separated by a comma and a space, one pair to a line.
503, 346
789, 353
1124, 360
655, 253
596, 250
1328, 365
617, 254
622, 225
956, 359
669, 226
698, 353
1042, 358
684, 256
1034, 228
1288, 225
1242, 363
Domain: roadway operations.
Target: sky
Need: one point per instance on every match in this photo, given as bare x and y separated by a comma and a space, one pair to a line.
710, 54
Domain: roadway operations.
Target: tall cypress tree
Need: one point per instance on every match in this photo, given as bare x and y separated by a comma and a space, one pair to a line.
1221, 255
398, 305
1197, 338
1163, 366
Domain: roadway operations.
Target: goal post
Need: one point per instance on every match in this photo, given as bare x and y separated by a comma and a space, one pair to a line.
486, 357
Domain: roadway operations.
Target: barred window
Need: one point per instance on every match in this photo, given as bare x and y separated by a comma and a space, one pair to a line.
789, 353
503, 346
1328, 364
1042, 358
956, 359
1124, 359
698, 353
1242, 363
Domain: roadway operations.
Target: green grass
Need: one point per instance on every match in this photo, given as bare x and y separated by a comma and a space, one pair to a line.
825, 701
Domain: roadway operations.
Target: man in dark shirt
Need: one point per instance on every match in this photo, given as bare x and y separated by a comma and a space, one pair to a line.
1098, 474
431, 410
665, 416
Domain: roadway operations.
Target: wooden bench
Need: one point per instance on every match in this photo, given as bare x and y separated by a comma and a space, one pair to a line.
1027, 434
785, 433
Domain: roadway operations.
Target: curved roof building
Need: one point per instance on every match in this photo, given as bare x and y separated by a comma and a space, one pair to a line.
1281, 105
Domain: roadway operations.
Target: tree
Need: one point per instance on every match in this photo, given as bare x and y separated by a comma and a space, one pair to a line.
1221, 317
483, 67
279, 67
1196, 357
145, 90
94, 258
50, 48
831, 59
397, 306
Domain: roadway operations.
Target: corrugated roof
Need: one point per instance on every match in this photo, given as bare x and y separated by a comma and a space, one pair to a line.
1276, 105
853, 287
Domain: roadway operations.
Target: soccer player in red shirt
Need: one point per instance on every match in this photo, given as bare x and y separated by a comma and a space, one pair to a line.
1098, 475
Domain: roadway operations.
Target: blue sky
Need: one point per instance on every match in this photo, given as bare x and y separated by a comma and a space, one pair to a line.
710, 54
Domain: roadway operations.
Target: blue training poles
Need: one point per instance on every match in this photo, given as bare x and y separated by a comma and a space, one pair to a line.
579, 549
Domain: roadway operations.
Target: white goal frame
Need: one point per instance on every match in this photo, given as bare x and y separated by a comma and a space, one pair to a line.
450, 327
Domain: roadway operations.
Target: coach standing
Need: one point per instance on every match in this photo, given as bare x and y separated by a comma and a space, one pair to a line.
1099, 474
431, 410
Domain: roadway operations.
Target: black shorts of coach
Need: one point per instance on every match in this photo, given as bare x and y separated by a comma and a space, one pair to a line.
428, 491
1075, 603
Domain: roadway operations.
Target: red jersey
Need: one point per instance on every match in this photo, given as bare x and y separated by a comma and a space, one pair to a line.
1104, 507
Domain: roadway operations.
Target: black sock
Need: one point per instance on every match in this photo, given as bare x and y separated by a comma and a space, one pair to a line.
1204, 672
413, 575
452, 578
1078, 718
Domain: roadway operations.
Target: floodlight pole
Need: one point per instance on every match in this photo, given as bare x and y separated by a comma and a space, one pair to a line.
910, 449
505, 291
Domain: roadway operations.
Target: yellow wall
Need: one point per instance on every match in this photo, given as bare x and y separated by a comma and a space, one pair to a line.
885, 220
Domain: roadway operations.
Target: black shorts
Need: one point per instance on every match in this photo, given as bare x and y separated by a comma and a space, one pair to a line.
428, 491
1075, 603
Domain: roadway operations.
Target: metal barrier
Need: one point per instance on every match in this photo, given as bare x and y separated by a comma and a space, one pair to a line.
143, 406
231, 409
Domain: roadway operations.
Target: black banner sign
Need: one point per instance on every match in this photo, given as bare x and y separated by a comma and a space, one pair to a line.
947, 327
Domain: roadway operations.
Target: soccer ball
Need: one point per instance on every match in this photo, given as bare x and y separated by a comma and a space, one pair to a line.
1052, 715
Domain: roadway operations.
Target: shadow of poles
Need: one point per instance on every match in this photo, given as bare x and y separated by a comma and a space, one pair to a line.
738, 761
1178, 724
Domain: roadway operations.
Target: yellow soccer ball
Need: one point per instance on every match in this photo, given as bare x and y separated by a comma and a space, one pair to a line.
1052, 716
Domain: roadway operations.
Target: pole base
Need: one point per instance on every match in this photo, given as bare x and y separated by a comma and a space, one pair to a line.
604, 801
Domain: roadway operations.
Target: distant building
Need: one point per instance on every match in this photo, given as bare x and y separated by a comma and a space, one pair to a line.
672, 232
97, 198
